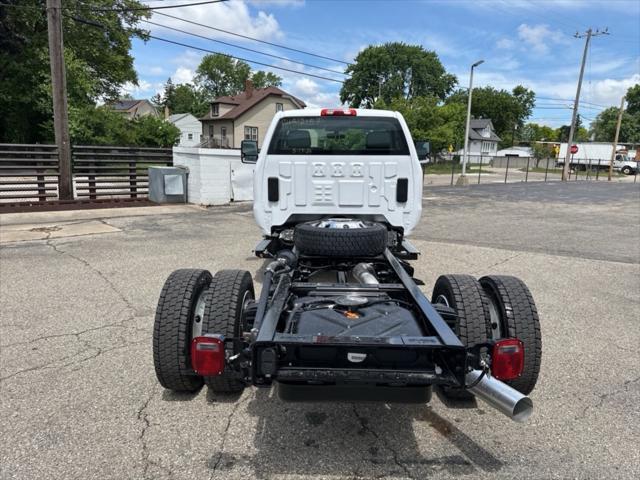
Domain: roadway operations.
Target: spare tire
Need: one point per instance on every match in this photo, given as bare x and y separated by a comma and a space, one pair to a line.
341, 237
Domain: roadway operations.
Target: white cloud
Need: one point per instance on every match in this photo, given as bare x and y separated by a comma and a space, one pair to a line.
277, 3
312, 93
505, 43
144, 89
539, 37
182, 75
232, 16
305, 86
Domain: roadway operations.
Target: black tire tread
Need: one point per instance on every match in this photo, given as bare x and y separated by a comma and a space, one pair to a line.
472, 310
172, 329
521, 319
222, 316
333, 242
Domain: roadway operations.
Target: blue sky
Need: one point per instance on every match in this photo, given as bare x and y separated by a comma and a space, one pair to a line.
528, 42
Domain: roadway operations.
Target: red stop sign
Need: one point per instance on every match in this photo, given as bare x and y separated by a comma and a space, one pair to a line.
574, 149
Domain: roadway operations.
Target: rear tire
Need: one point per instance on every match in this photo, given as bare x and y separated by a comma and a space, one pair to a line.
172, 330
515, 315
227, 298
464, 294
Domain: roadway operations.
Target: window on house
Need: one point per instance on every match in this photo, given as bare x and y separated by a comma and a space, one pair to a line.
251, 133
214, 110
190, 136
223, 132
279, 107
211, 130
486, 146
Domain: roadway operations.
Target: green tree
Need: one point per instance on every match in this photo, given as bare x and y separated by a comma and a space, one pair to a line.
395, 70
103, 126
542, 151
507, 110
154, 132
603, 128
219, 75
98, 61
182, 98
633, 100
533, 132
442, 125
581, 134
261, 79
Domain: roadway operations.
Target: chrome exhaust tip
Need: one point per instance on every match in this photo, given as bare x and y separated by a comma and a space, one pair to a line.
502, 397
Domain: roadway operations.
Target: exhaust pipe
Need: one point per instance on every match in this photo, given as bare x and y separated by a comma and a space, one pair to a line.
499, 395
364, 273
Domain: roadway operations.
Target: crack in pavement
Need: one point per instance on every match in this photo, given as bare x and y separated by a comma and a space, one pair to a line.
224, 436
364, 424
98, 351
497, 264
107, 280
601, 398
143, 416
87, 345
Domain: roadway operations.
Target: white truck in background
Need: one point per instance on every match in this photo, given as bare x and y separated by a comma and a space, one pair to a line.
595, 156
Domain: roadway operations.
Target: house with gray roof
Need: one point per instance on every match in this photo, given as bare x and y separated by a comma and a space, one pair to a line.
483, 141
134, 108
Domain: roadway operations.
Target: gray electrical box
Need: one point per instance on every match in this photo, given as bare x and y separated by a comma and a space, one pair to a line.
168, 184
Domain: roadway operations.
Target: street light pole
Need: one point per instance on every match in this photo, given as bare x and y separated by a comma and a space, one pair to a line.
462, 180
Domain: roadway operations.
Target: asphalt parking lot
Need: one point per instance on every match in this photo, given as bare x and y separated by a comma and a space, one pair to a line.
79, 398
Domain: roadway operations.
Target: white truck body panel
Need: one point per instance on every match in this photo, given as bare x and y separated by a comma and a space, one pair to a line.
316, 186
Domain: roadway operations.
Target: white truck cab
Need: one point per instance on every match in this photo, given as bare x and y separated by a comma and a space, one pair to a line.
318, 163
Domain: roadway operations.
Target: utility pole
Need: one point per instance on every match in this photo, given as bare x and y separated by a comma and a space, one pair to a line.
589, 33
615, 140
59, 88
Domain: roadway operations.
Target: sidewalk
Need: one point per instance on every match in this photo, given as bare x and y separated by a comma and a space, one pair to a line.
20, 227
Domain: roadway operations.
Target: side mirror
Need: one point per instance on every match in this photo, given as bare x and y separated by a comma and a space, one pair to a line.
423, 148
249, 151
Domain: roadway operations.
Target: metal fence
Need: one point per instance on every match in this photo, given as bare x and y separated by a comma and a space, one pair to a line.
446, 170
29, 173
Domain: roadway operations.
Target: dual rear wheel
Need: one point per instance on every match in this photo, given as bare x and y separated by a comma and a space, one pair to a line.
492, 308
193, 303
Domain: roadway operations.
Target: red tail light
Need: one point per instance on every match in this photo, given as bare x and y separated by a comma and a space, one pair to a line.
208, 355
507, 359
338, 112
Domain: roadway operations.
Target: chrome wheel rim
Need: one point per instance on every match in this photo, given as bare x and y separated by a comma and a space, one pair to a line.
198, 314
495, 319
442, 300
340, 223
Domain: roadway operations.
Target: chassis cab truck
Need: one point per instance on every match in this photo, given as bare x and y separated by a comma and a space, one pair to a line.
340, 315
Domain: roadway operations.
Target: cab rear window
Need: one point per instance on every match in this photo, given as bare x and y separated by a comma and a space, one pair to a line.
338, 135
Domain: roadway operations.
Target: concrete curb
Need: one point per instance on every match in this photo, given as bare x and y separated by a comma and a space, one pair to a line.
98, 213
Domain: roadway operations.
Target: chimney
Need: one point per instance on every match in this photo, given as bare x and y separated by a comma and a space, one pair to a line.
248, 88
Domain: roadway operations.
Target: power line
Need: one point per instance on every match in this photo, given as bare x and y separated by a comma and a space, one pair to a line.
193, 47
139, 9
245, 59
253, 38
95, 8
244, 48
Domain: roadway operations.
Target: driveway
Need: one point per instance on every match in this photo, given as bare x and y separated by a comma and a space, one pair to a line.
79, 397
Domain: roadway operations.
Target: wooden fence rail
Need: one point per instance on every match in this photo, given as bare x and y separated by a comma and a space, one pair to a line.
30, 172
